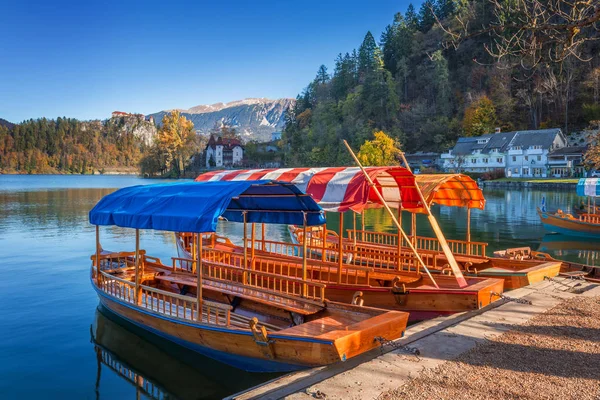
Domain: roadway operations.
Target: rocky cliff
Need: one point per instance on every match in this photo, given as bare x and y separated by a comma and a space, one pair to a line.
135, 124
254, 119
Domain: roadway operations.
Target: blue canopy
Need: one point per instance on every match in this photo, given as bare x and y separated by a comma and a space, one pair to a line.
588, 187
197, 206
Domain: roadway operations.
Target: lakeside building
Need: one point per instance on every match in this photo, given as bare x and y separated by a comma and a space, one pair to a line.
518, 153
567, 161
224, 152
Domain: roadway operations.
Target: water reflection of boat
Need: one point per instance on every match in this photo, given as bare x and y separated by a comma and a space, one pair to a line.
153, 372
554, 242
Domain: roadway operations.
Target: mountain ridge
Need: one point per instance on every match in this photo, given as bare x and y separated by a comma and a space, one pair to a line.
253, 118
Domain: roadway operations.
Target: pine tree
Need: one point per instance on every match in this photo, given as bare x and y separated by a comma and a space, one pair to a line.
369, 56
411, 17
322, 76
426, 17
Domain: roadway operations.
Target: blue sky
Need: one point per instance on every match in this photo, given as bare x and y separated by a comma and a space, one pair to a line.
85, 59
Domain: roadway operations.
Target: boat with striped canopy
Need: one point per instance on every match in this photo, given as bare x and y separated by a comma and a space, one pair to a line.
408, 285
218, 304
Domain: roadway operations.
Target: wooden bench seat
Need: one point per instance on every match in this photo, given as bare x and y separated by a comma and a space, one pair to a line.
260, 295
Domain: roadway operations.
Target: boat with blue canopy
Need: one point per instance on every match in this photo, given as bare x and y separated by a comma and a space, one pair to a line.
585, 225
220, 306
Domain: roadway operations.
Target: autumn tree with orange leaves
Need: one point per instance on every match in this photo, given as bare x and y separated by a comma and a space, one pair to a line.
176, 142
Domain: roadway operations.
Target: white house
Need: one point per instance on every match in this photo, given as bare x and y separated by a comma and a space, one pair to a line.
223, 152
519, 154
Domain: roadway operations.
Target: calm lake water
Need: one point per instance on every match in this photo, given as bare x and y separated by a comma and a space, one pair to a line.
54, 343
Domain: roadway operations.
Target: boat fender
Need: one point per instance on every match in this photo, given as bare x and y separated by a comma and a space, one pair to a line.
357, 299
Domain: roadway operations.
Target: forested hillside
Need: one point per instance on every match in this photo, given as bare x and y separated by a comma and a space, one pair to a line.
426, 94
67, 145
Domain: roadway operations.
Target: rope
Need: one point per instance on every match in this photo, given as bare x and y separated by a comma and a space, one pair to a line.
513, 299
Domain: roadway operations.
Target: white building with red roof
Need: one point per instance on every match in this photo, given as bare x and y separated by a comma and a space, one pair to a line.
223, 152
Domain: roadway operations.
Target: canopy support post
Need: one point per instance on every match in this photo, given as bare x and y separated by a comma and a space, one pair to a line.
460, 279
362, 225
194, 250
468, 230
354, 228
199, 278
413, 228
98, 275
324, 242
388, 209
138, 297
399, 244
262, 236
252, 241
341, 250
304, 287
245, 241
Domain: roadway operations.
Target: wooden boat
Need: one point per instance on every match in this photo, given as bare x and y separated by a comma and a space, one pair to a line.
586, 225
250, 319
409, 286
515, 271
380, 250
556, 242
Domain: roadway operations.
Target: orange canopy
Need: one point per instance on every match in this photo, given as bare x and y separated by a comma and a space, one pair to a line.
456, 190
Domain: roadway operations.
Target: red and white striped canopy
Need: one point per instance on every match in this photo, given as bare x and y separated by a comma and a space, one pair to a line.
338, 189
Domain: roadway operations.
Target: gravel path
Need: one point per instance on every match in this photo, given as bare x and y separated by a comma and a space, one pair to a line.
556, 355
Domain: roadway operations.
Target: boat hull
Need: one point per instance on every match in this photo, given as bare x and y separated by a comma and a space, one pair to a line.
210, 343
423, 302
569, 226
286, 350
518, 278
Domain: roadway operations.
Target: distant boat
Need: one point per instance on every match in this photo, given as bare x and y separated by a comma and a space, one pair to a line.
586, 225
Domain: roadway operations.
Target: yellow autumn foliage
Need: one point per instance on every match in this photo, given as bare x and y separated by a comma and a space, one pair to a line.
176, 140
381, 151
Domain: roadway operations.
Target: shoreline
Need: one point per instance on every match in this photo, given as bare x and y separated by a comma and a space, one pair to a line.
569, 186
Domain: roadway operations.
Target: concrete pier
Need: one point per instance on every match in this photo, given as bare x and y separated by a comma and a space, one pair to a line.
435, 341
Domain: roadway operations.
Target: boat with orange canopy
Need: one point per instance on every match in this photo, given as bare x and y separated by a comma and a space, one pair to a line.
380, 250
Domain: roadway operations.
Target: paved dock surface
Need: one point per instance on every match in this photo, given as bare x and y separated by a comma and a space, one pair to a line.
375, 375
